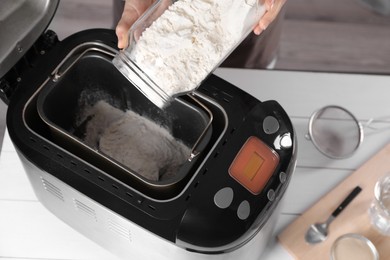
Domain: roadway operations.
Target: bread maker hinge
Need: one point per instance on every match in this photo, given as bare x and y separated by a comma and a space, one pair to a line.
12, 79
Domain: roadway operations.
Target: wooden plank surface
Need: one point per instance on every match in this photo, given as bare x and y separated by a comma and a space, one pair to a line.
353, 219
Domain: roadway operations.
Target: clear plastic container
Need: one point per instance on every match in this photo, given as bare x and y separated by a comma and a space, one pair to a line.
175, 45
353, 246
380, 207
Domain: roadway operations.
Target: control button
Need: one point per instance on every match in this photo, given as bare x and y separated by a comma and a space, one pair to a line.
282, 177
270, 125
271, 195
285, 141
243, 210
224, 197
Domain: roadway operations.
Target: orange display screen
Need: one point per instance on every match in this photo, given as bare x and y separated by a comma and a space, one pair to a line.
254, 165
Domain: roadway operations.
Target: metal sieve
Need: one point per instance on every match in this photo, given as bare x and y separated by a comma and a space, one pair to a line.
335, 132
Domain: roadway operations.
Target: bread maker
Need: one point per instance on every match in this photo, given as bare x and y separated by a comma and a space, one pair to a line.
224, 200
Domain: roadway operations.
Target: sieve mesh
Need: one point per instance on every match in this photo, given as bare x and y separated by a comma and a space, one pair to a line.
335, 132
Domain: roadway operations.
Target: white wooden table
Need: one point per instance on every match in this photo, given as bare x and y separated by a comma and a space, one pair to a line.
29, 231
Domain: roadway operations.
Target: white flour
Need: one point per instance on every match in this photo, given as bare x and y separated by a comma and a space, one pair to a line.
103, 115
182, 47
135, 141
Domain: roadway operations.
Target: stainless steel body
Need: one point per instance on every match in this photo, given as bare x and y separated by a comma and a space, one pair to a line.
18, 17
119, 235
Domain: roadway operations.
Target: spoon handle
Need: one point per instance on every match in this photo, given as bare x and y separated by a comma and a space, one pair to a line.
346, 201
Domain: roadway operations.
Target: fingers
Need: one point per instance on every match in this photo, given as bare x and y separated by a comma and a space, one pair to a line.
129, 16
122, 29
132, 11
269, 4
273, 8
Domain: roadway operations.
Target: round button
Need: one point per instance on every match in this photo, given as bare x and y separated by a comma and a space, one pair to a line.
224, 197
270, 125
282, 177
271, 195
285, 141
243, 210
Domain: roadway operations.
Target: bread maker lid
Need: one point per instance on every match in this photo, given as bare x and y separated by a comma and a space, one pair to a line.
22, 22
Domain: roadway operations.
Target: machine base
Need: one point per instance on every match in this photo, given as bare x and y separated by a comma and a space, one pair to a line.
119, 235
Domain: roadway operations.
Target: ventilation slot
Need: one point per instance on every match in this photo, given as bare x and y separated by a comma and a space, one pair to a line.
81, 207
51, 188
119, 229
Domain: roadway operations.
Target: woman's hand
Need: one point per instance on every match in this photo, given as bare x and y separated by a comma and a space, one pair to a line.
132, 11
273, 8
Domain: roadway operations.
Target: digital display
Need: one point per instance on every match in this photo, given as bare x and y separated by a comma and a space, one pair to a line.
254, 165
